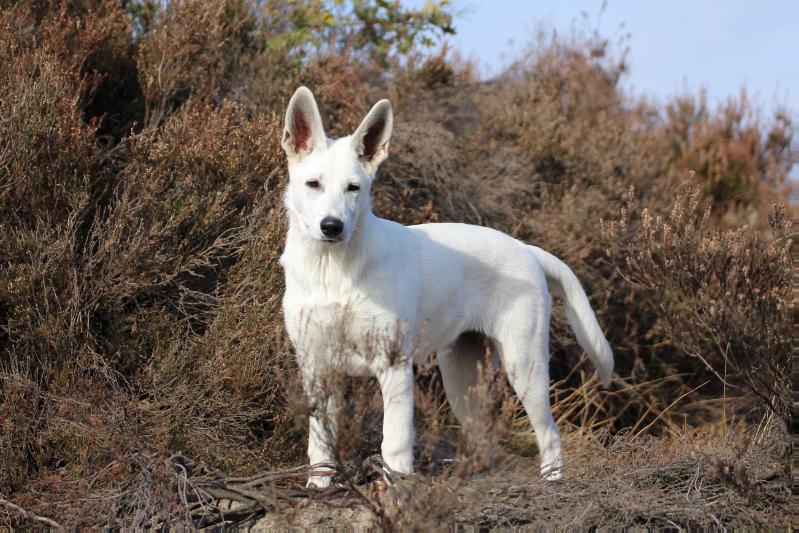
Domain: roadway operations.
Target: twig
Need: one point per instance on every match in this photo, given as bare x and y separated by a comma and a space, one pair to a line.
25, 512
672, 404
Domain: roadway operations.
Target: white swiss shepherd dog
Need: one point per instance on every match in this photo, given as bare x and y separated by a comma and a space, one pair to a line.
401, 292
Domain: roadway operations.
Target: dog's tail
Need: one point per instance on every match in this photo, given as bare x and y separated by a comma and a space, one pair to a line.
564, 283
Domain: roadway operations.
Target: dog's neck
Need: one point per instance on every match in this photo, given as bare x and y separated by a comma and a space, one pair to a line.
334, 265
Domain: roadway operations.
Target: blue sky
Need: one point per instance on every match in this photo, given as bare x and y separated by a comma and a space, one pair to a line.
674, 46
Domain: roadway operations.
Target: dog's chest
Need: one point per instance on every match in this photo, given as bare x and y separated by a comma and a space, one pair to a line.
346, 326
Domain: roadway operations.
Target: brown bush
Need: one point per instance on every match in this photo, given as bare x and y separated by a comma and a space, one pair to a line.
176, 61
104, 281
94, 39
722, 295
48, 154
740, 161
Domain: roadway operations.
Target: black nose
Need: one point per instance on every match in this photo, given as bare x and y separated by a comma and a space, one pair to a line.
331, 227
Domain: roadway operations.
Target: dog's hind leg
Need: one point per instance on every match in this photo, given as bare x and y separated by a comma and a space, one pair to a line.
525, 356
458, 366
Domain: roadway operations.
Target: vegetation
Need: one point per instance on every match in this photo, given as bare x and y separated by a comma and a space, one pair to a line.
145, 376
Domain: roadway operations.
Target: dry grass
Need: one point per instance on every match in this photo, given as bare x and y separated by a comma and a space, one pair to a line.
687, 478
145, 377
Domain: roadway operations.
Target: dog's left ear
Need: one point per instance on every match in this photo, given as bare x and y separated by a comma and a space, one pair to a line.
370, 140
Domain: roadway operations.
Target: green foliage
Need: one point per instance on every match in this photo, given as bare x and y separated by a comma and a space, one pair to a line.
143, 14
391, 30
377, 28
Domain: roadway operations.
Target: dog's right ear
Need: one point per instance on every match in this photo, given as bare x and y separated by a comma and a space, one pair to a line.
303, 130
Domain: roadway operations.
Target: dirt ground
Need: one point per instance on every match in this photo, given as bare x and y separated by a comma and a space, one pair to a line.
688, 480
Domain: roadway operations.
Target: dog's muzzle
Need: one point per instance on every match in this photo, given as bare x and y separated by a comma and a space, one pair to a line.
332, 228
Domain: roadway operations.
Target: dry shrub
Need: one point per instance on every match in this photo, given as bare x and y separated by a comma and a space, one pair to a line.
688, 479
117, 275
445, 68
188, 199
185, 190
557, 148
341, 91
419, 180
741, 161
79, 32
95, 39
176, 61
563, 108
47, 154
48, 161
721, 294
237, 368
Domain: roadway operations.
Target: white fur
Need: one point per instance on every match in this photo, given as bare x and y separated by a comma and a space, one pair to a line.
386, 293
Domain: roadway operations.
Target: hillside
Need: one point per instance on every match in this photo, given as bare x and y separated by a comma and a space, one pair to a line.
145, 375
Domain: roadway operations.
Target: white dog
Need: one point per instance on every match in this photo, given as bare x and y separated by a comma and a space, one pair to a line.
398, 291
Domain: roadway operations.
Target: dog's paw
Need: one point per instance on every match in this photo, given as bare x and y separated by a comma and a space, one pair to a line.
552, 473
319, 482
552, 470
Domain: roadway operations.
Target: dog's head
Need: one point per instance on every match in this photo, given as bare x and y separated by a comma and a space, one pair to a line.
330, 180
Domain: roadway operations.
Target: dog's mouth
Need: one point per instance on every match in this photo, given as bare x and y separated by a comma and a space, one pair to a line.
331, 241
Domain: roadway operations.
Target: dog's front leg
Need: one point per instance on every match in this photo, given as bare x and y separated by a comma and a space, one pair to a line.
396, 384
322, 433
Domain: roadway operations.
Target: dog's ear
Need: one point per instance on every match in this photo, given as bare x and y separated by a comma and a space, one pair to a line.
370, 140
303, 130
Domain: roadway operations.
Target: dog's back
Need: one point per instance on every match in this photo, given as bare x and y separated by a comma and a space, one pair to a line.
470, 277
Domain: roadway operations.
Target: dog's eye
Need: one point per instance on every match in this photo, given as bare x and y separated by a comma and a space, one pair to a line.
353, 187
312, 184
